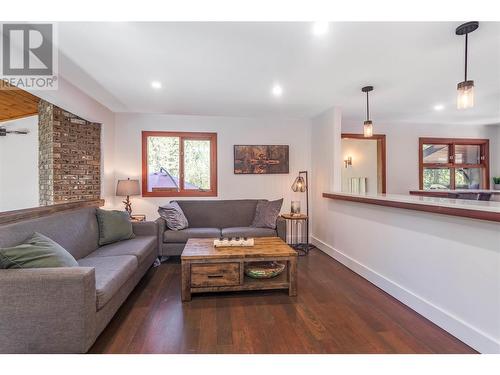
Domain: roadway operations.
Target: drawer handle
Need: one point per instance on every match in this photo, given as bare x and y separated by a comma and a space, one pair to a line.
214, 276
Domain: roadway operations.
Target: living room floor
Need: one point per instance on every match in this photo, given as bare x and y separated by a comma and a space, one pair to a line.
336, 311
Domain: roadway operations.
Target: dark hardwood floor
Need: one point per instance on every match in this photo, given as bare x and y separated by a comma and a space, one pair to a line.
336, 311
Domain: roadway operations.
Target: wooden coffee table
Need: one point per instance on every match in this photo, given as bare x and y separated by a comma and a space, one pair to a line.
209, 269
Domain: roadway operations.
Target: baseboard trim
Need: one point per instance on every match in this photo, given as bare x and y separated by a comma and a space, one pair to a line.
470, 335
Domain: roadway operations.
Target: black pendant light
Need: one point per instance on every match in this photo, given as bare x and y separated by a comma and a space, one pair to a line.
465, 95
368, 124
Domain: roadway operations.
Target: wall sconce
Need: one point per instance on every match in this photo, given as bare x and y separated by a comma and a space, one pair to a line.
348, 162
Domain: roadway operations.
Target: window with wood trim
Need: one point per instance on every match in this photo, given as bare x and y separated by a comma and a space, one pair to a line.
179, 164
454, 163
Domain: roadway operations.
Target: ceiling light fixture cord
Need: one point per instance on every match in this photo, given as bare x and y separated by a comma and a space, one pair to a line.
466, 44
367, 108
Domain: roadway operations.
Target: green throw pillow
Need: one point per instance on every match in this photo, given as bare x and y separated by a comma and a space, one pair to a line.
38, 251
113, 226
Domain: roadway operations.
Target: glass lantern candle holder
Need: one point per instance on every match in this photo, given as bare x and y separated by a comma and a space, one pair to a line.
295, 208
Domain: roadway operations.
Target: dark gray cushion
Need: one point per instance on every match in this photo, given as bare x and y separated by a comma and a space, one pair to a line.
140, 247
248, 232
114, 226
76, 231
219, 213
266, 214
185, 234
37, 251
111, 273
173, 215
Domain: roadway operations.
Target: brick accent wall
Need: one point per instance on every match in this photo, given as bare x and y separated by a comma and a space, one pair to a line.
45, 160
69, 156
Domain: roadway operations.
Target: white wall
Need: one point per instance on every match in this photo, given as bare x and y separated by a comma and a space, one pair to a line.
19, 165
326, 151
493, 133
445, 268
364, 162
402, 148
230, 131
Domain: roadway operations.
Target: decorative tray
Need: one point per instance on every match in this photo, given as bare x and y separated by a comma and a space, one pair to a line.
233, 241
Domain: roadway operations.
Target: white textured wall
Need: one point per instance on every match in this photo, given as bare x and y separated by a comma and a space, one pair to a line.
19, 165
402, 148
445, 268
230, 131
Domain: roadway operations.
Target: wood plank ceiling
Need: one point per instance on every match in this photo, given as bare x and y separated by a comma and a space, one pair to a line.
16, 103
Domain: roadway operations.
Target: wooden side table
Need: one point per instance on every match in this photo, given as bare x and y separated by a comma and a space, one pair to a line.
294, 220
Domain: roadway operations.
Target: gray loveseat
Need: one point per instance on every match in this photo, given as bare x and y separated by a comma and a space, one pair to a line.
214, 218
63, 310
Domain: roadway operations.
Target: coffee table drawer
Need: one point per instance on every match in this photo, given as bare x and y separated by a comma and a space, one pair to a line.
221, 274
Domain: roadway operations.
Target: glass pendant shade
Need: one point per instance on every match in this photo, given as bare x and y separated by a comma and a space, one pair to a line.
368, 124
299, 185
465, 95
368, 129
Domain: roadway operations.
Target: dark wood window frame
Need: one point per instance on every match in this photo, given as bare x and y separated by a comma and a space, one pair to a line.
212, 137
452, 142
381, 156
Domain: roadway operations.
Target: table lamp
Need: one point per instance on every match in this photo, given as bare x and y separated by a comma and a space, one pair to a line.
126, 188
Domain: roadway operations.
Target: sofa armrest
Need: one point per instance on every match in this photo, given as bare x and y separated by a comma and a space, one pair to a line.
47, 310
281, 228
145, 228
162, 227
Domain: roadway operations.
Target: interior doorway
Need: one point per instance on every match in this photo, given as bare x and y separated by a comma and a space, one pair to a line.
364, 163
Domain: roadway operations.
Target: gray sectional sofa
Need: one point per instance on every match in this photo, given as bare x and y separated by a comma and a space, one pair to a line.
214, 218
63, 310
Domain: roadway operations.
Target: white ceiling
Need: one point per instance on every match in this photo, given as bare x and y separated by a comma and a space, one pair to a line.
228, 68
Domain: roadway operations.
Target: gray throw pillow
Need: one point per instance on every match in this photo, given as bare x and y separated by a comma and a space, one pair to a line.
114, 226
38, 251
266, 214
173, 215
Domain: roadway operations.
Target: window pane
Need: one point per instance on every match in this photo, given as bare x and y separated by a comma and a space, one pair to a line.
163, 164
468, 178
435, 153
467, 154
196, 164
436, 178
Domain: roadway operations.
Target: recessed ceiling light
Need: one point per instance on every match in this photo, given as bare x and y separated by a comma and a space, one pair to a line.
320, 28
277, 90
438, 107
156, 84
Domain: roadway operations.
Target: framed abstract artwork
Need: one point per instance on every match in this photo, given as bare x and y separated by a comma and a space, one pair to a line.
263, 159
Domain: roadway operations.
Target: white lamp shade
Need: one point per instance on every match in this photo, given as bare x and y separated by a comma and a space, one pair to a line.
128, 187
